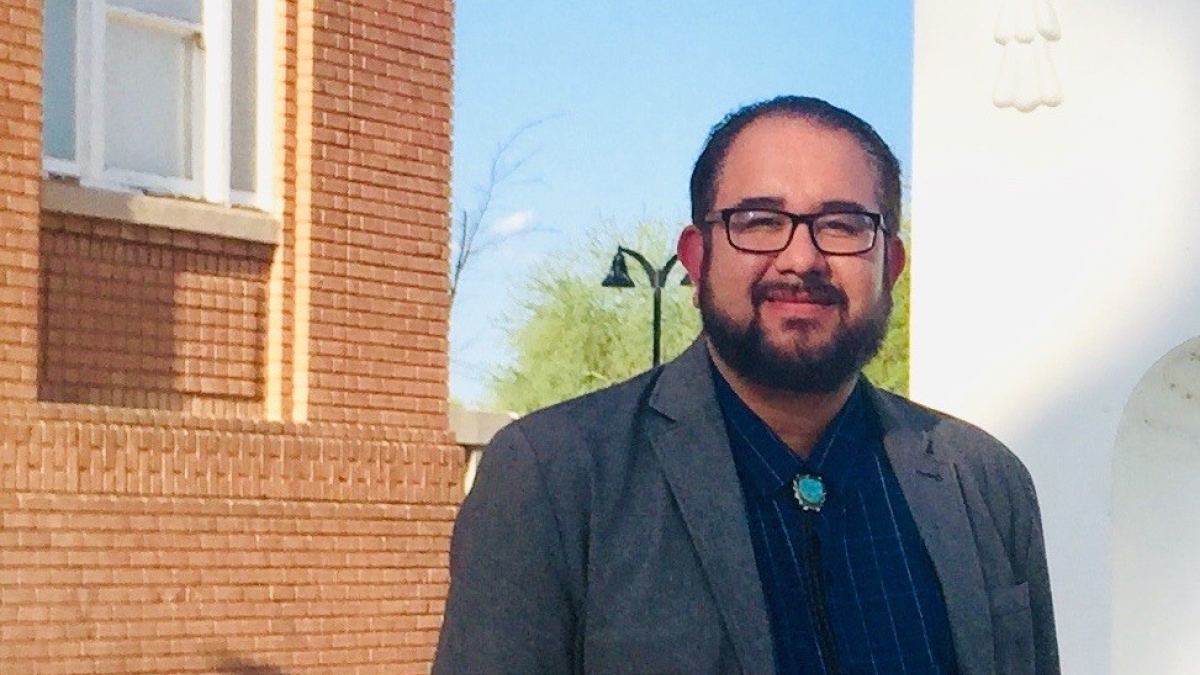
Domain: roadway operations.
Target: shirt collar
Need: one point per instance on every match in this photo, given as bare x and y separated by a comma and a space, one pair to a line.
769, 465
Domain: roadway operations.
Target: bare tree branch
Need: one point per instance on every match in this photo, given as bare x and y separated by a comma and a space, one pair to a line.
467, 236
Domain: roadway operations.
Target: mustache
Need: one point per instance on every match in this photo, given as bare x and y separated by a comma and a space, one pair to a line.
812, 288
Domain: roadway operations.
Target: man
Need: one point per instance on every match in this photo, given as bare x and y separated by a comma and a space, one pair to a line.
756, 506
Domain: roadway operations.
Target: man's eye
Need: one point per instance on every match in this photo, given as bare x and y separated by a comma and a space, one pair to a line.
755, 220
843, 225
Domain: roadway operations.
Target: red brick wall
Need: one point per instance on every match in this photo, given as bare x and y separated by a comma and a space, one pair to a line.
379, 199
140, 542
181, 586
20, 167
195, 586
219, 456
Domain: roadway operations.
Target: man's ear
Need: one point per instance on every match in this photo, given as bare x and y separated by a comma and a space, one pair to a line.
690, 250
896, 259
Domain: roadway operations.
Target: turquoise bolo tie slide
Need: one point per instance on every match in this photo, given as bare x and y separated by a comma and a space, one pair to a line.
809, 491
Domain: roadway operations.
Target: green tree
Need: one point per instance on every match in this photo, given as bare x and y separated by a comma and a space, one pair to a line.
571, 336
889, 368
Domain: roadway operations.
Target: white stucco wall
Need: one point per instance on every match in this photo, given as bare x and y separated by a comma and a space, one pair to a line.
1156, 521
1054, 255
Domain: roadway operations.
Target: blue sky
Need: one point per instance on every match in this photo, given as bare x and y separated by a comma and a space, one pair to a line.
624, 92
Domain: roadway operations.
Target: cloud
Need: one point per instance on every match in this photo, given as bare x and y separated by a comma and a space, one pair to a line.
513, 223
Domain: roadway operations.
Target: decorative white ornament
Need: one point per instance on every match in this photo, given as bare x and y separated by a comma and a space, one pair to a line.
1027, 78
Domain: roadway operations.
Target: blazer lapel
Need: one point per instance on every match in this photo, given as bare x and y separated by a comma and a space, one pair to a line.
693, 448
932, 489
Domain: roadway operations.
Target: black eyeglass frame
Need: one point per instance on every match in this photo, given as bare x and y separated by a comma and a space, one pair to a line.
808, 219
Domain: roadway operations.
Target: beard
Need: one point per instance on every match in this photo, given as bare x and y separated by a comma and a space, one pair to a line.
800, 365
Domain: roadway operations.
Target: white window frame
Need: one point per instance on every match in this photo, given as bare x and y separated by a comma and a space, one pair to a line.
264, 101
209, 105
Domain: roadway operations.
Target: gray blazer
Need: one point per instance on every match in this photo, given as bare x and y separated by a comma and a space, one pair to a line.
608, 535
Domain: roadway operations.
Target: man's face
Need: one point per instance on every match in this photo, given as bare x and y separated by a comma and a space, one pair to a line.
797, 320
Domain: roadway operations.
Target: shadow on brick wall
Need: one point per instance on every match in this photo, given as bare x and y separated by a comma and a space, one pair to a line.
143, 317
235, 665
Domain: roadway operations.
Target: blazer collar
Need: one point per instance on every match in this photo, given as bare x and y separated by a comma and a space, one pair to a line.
693, 448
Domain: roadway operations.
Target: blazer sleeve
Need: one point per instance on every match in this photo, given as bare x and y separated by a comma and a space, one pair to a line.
1037, 574
508, 610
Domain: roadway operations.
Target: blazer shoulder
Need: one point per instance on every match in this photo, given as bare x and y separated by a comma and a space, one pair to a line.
969, 445
585, 424
565, 453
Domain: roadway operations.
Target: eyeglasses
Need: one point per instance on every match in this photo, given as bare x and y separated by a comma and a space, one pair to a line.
757, 230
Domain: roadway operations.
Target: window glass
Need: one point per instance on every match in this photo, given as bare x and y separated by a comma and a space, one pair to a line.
184, 10
147, 109
243, 120
58, 79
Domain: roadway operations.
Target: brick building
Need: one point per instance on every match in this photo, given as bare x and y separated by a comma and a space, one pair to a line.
224, 443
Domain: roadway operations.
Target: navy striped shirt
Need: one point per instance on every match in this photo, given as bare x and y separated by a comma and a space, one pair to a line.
885, 604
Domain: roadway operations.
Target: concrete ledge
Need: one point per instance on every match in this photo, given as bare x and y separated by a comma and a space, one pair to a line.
172, 213
475, 428
472, 430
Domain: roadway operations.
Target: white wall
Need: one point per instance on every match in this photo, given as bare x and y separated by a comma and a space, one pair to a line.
1156, 521
1055, 255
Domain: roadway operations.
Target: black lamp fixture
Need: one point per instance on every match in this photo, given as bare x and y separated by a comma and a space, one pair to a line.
618, 277
618, 274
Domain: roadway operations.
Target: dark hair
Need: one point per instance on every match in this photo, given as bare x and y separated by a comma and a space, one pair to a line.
708, 165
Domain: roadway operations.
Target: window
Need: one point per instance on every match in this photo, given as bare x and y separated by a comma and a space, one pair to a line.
166, 96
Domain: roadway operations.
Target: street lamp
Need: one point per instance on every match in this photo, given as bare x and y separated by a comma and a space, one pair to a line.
618, 277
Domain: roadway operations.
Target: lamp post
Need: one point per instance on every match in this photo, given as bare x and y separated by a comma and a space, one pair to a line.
618, 277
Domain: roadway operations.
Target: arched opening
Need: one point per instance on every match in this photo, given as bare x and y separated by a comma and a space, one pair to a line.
1156, 521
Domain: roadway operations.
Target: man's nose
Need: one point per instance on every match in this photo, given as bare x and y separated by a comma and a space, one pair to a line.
801, 255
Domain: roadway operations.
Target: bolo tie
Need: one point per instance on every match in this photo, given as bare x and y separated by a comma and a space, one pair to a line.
810, 493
